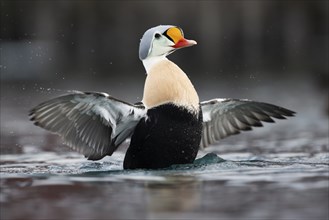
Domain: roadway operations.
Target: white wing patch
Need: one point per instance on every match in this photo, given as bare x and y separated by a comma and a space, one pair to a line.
104, 113
207, 107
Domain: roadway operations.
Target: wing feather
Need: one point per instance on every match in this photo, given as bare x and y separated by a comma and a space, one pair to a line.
94, 124
225, 117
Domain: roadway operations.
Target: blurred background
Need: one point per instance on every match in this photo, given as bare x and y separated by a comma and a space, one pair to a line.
99, 40
272, 51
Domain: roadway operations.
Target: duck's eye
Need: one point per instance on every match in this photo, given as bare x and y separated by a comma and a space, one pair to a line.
157, 35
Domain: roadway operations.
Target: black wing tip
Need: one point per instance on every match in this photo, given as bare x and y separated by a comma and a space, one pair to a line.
279, 112
291, 113
236, 132
286, 112
31, 114
95, 157
32, 111
279, 117
257, 124
269, 120
248, 128
282, 114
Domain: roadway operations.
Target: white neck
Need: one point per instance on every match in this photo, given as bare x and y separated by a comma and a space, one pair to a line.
149, 62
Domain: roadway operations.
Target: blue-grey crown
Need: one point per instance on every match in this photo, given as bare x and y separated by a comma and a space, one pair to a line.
146, 41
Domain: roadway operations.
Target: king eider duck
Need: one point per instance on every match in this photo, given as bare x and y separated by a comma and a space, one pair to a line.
168, 127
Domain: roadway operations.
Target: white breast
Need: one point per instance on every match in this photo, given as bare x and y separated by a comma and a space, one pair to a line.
167, 83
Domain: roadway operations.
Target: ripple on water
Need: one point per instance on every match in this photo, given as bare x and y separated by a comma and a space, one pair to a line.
284, 170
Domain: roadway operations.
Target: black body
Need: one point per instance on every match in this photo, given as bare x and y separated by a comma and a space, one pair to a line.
169, 135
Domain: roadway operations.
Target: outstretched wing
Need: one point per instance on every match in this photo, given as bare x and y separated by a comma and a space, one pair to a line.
94, 124
225, 117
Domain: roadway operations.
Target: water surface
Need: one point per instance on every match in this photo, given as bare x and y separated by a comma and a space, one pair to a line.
279, 171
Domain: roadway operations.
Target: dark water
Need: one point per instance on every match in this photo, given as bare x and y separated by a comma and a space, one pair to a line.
280, 171
54, 186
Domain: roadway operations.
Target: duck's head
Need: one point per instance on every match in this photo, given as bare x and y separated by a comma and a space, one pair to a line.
162, 40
